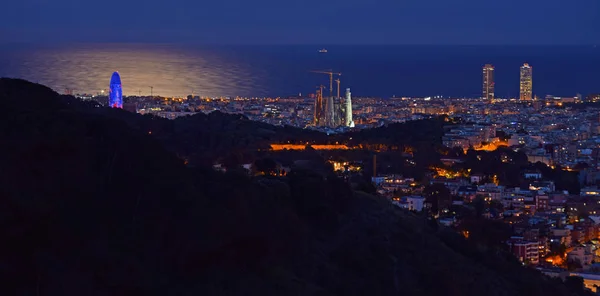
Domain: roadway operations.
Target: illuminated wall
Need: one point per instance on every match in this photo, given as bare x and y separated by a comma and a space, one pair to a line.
115, 97
278, 147
349, 121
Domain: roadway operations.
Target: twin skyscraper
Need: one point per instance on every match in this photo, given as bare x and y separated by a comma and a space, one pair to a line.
525, 83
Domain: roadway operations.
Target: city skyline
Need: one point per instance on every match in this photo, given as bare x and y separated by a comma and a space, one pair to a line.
284, 71
467, 164
235, 160
326, 110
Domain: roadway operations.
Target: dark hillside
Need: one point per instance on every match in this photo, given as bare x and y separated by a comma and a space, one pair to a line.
92, 206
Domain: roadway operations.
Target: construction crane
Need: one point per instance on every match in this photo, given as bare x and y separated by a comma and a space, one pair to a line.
330, 73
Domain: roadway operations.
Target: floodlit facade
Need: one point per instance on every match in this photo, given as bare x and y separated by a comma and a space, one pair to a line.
526, 83
488, 82
349, 121
318, 119
330, 112
115, 96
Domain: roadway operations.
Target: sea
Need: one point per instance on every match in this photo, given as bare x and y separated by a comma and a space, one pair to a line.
285, 70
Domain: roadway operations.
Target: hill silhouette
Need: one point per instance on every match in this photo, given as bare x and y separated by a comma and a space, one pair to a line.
92, 204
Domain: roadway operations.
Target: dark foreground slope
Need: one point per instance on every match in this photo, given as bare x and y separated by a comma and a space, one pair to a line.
89, 206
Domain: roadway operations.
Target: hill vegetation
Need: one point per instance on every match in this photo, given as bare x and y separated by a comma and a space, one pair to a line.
93, 202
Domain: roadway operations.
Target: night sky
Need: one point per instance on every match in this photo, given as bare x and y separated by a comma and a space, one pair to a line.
303, 21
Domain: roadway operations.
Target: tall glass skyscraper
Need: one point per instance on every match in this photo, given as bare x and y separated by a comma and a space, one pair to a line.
488, 82
115, 96
526, 85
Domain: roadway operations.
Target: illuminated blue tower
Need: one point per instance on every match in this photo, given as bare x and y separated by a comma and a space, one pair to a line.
115, 96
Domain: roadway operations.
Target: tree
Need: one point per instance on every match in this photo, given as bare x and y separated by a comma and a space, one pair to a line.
580, 166
575, 283
266, 165
366, 186
438, 197
487, 232
479, 204
502, 135
495, 204
574, 264
456, 152
232, 161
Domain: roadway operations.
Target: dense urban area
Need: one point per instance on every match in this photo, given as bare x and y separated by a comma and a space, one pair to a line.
471, 179
528, 164
301, 148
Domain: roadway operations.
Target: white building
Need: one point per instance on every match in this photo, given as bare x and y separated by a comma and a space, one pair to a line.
476, 178
415, 203
533, 175
411, 203
582, 255
349, 121
516, 140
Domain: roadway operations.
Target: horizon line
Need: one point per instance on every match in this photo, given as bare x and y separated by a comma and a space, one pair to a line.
10, 42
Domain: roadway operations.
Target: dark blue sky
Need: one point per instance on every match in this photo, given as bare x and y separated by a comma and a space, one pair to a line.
303, 21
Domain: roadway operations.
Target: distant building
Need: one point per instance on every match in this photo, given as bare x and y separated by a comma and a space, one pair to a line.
526, 83
349, 122
526, 251
115, 97
490, 191
131, 107
411, 203
542, 186
488, 82
581, 254
452, 142
541, 203
467, 193
516, 140
590, 191
219, 168
561, 236
539, 155
532, 175
476, 178
415, 203
593, 98
173, 114
319, 115
330, 112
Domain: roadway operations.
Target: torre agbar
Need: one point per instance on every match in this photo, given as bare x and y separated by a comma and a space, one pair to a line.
115, 97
